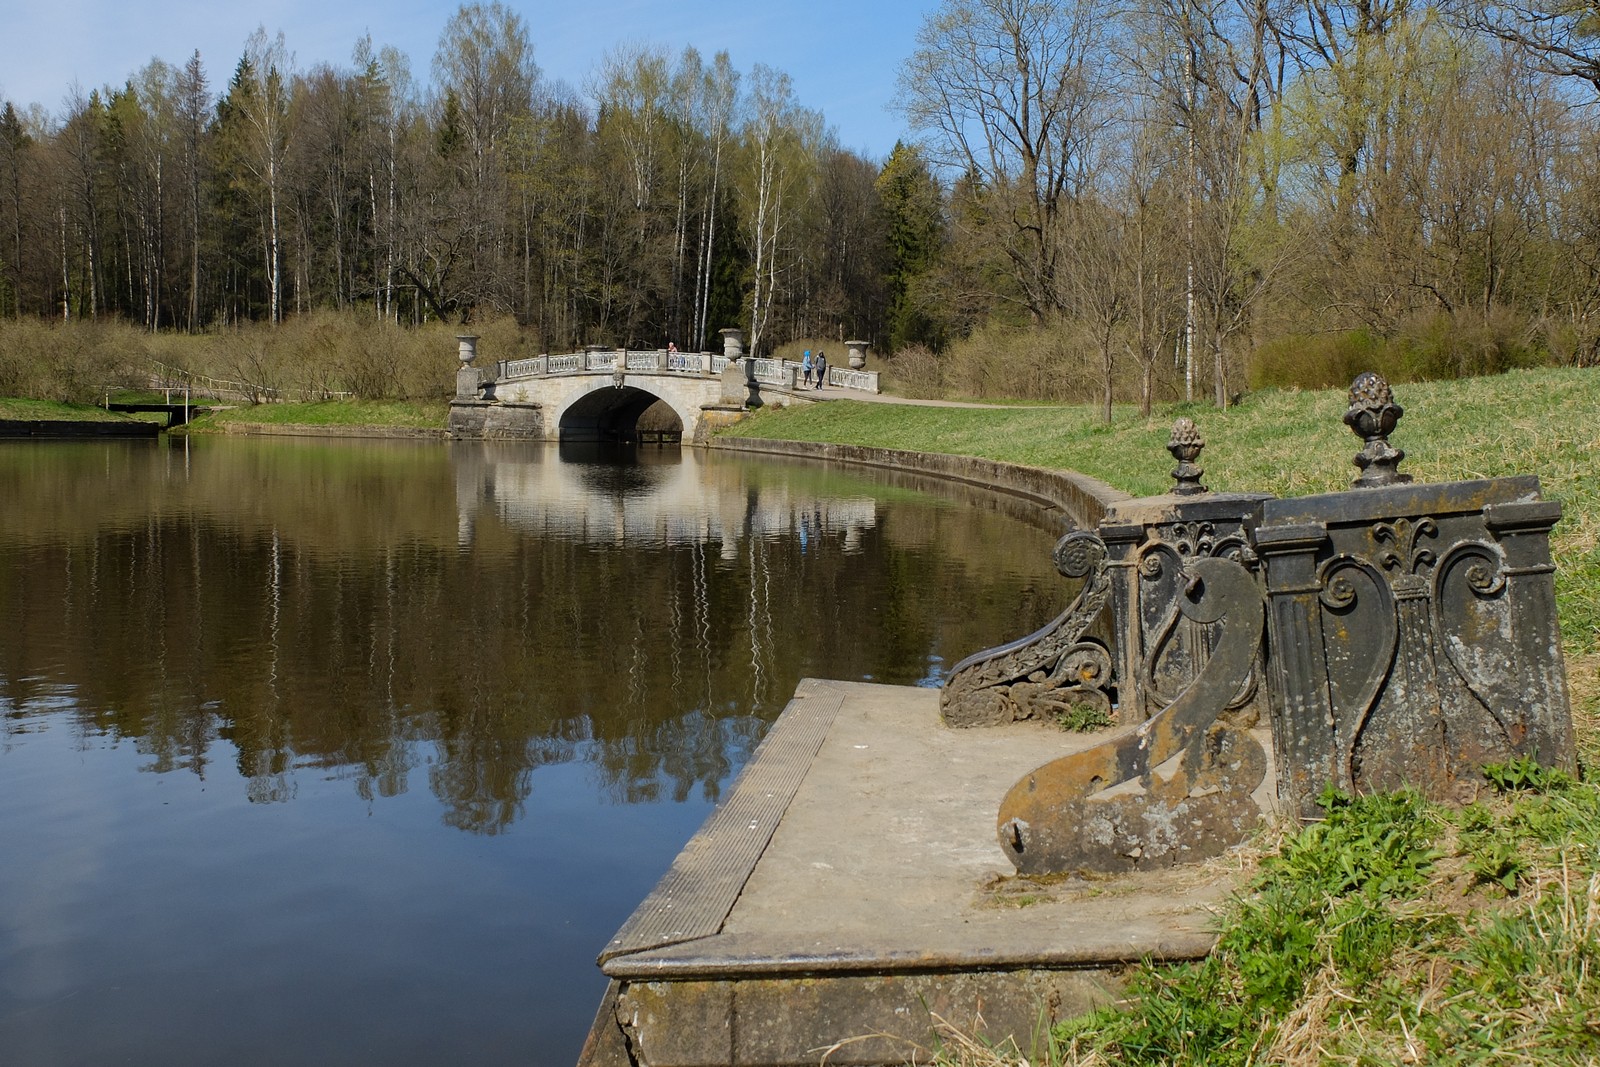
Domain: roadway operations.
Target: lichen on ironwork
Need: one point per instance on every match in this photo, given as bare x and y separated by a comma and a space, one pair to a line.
1372, 416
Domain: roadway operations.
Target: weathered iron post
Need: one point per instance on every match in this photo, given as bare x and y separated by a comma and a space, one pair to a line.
1372, 416
1185, 446
754, 400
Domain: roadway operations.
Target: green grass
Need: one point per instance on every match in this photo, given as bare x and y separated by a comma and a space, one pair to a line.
12, 409
1083, 718
1378, 937
405, 414
412, 414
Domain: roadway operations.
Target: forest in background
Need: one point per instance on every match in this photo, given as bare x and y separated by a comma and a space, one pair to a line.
1176, 199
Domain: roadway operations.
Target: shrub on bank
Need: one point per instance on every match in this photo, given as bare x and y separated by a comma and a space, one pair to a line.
1434, 347
78, 363
309, 357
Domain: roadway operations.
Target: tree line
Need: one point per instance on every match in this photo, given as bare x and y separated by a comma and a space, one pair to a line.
677, 197
1225, 193
1171, 198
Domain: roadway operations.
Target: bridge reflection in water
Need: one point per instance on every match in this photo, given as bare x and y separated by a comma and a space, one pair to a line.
599, 493
384, 739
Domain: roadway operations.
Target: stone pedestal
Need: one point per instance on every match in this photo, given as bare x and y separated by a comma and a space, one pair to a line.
858, 354
468, 378
733, 384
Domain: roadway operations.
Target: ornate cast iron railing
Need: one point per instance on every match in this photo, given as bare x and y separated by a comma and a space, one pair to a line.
1393, 634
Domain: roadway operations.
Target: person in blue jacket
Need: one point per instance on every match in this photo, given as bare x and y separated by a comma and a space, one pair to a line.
805, 366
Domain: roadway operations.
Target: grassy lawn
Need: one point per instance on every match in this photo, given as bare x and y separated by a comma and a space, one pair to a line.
1397, 931
406, 414
12, 409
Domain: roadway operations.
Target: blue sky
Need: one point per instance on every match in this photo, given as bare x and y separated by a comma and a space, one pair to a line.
842, 54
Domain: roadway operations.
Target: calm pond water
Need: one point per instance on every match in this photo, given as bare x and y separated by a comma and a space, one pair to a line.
322, 752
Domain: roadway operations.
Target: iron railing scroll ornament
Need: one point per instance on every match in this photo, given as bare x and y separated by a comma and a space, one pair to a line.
1050, 670
1391, 635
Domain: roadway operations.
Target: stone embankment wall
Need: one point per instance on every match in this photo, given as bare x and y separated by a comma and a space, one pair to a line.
1082, 499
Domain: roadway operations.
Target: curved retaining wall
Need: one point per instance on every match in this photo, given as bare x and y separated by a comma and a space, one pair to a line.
1082, 498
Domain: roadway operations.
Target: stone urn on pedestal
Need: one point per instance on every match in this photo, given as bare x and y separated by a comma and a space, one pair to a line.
858, 354
468, 377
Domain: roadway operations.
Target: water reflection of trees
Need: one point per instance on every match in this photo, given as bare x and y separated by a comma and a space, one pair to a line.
315, 608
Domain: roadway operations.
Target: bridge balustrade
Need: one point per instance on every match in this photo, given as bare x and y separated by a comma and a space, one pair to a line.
774, 372
685, 361
644, 360
769, 371
845, 378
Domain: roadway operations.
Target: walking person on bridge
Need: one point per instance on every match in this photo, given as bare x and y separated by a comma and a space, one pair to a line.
805, 366
822, 367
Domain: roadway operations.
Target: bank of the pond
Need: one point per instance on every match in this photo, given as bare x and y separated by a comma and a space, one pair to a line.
21, 418
329, 418
1081, 499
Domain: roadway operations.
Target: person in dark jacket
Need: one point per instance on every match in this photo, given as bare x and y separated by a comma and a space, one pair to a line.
822, 367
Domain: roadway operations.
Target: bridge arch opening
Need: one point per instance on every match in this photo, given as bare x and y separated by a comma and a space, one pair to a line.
627, 416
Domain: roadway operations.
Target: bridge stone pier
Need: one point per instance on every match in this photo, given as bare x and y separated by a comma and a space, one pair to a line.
603, 394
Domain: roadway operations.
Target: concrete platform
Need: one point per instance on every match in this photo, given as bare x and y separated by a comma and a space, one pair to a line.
851, 892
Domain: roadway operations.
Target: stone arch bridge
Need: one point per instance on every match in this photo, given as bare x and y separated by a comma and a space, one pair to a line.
621, 395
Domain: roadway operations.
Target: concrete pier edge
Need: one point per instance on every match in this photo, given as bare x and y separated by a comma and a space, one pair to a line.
688, 976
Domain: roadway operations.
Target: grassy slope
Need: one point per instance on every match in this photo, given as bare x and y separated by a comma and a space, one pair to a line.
410, 414
12, 409
421, 414
1398, 931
